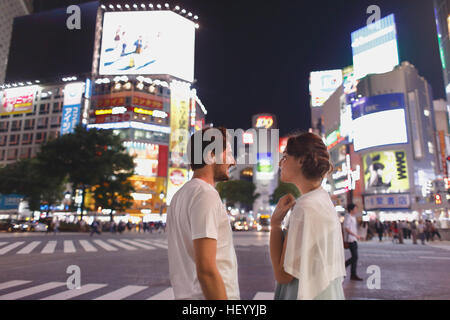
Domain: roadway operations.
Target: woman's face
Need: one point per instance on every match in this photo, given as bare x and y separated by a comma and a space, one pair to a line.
290, 168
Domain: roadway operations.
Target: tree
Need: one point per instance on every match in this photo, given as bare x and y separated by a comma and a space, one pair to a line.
282, 190
33, 180
90, 158
238, 191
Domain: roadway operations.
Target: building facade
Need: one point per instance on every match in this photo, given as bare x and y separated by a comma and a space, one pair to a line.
9, 9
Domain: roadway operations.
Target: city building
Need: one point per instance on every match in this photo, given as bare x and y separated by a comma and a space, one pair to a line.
9, 9
442, 15
115, 83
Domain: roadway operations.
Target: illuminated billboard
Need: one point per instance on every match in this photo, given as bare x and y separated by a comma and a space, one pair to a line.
322, 84
386, 172
180, 95
145, 157
264, 166
378, 121
17, 100
148, 42
375, 48
73, 93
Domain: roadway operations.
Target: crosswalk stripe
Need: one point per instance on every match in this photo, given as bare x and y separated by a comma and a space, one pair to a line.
137, 244
435, 258
13, 283
105, 245
28, 248
264, 296
164, 295
160, 241
153, 243
3, 243
49, 247
121, 244
87, 246
33, 290
122, 293
69, 246
10, 247
75, 292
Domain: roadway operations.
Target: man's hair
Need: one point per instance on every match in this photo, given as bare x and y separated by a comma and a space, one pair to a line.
193, 146
351, 206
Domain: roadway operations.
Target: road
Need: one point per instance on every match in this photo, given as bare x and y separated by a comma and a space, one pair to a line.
134, 266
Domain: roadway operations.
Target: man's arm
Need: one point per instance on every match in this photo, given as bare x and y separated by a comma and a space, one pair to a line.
208, 275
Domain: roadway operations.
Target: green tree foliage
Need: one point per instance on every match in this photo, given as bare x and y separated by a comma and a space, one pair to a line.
238, 191
93, 159
34, 180
282, 190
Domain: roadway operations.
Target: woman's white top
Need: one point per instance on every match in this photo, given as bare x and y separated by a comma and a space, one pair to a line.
315, 253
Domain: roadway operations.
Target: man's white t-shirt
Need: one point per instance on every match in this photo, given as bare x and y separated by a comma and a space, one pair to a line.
196, 211
350, 223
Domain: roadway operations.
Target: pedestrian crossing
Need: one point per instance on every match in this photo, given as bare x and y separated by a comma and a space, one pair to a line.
47, 247
27, 290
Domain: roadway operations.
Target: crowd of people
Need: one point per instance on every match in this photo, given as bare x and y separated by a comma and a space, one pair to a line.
398, 231
97, 226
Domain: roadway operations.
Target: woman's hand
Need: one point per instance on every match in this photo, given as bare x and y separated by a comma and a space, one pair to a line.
283, 206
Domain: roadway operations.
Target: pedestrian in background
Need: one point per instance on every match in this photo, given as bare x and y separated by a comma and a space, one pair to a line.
351, 236
56, 226
95, 227
434, 231
428, 230
414, 231
401, 227
379, 227
394, 231
421, 231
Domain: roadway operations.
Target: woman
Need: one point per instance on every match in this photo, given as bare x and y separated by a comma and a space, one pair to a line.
308, 260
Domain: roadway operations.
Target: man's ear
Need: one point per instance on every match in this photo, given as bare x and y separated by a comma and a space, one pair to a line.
210, 158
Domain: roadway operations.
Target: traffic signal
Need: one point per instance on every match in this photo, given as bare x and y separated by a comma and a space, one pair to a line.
448, 158
438, 199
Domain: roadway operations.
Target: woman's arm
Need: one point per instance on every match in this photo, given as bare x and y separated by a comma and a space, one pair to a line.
277, 253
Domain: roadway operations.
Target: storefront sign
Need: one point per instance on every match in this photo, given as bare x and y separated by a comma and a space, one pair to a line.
387, 201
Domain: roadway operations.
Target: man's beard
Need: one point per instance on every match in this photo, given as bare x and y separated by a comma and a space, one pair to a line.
220, 175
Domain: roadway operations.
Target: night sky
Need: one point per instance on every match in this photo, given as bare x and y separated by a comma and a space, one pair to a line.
256, 56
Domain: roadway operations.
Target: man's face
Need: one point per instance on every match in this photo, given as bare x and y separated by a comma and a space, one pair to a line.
221, 171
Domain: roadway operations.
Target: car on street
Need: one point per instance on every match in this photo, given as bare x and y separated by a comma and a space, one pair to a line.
10, 225
38, 227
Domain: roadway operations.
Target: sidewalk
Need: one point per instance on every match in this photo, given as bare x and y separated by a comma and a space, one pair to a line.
439, 244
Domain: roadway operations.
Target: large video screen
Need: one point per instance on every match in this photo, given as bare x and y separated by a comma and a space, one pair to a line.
148, 42
375, 48
323, 84
379, 129
386, 172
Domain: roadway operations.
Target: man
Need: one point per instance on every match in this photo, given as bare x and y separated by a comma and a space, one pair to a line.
351, 236
379, 227
202, 259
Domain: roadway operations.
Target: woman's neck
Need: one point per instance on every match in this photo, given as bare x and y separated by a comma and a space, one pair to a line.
305, 186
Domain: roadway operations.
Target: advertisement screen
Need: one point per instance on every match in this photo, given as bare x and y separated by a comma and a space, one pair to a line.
375, 48
386, 172
145, 157
370, 114
148, 42
379, 129
72, 107
264, 166
323, 84
17, 100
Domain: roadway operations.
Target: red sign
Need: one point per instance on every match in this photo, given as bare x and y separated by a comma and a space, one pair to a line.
111, 102
248, 138
283, 144
146, 102
177, 178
